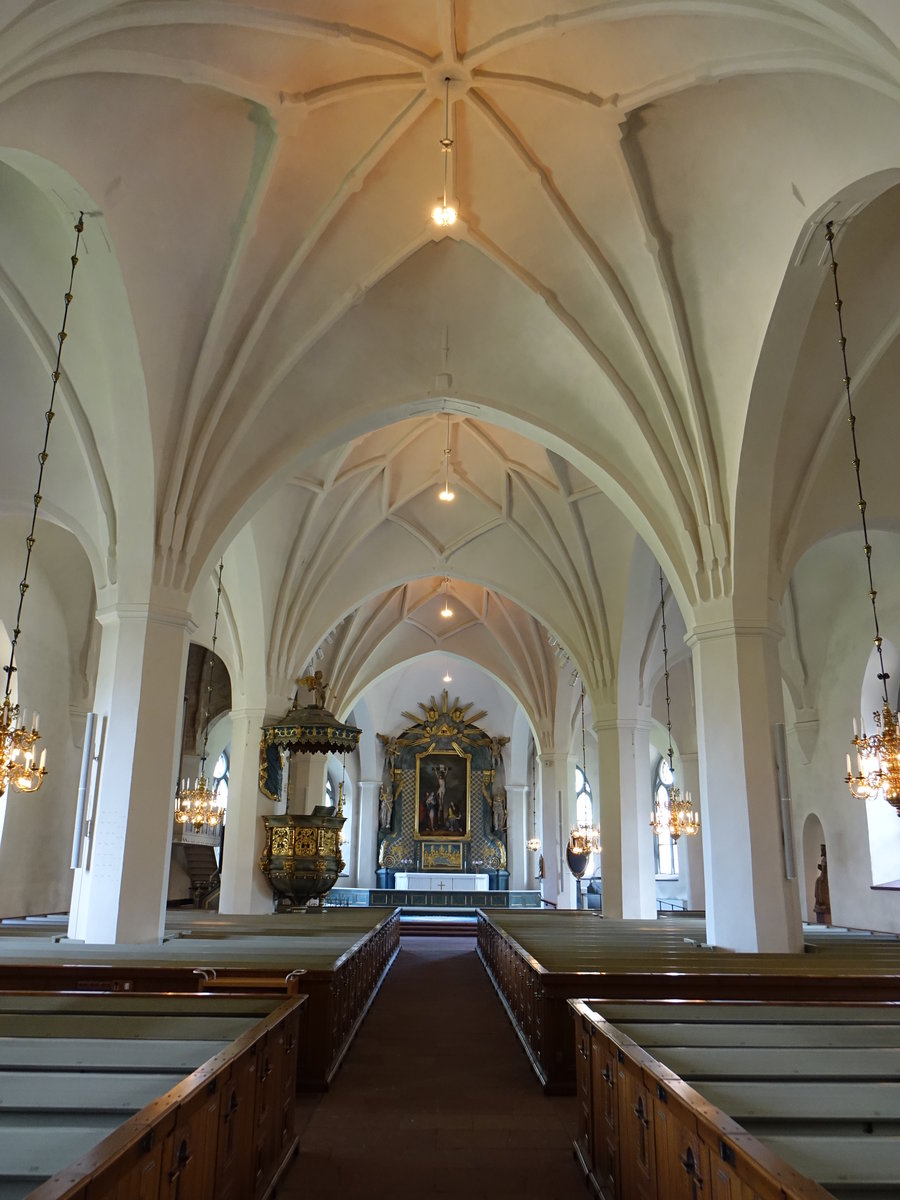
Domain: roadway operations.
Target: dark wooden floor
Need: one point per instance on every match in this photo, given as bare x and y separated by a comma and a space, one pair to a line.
436, 1098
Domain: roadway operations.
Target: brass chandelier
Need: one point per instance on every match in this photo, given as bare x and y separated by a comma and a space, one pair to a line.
878, 752
584, 838
17, 741
679, 817
199, 805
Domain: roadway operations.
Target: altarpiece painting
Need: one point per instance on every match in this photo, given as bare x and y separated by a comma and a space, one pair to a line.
443, 794
442, 798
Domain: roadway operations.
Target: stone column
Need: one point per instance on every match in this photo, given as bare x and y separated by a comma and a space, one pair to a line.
306, 788
637, 856
119, 895
750, 905
558, 817
690, 849
516, 833
606, 727
367, 823
244, 887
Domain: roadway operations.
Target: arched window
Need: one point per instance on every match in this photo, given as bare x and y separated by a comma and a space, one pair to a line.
220, 780
584, 800
666, 850
329, 791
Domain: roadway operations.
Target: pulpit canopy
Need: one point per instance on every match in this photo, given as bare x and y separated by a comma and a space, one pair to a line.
311, 730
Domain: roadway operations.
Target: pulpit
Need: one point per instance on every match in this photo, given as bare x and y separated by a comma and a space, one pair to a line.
302, 855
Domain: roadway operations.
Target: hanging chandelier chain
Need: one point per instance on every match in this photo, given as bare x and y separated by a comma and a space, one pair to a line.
583, 751
851, 418
677, 816
42, 458
209, 677
446, 140
662, 610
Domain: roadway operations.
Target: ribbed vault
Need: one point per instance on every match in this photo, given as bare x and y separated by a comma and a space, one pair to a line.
285, 156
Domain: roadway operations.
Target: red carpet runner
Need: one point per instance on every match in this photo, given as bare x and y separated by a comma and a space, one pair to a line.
435, 1098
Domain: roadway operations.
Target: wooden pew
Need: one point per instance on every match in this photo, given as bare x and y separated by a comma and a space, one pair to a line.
538, 961
94, 1099
755, 1098
344, 956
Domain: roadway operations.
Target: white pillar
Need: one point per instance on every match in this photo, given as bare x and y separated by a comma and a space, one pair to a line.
244, 887
367, 824
638, 859
306, 788
558, 811
609, 787
119, 895
516, 833
690, 849
750, 905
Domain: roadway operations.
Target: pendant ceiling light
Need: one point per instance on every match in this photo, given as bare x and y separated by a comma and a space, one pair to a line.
679, 817
17, 741
444, 214
446, 611
446, 494
877, 753
199, 805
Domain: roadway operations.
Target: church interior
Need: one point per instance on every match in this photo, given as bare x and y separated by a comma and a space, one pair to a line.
500, 392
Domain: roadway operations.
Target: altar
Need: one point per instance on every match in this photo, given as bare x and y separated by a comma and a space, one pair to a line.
440, 881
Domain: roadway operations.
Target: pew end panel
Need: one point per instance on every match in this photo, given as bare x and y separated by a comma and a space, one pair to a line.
656, 1137
227, 1130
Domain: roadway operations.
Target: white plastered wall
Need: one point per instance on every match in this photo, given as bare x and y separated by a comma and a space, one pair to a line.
36, 838
836, 620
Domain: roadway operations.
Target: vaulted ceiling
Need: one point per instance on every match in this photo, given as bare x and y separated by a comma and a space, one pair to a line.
275, 330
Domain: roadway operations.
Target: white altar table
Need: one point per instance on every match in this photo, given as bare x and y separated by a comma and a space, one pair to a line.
439, 881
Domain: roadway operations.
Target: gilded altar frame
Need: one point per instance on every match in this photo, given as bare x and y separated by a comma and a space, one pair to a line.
443, 794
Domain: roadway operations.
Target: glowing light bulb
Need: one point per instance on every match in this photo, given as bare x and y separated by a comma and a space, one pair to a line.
444, 215
448, 678
446, 495
446, 611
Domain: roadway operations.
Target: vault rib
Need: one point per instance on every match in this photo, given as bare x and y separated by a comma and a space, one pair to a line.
267, 150
277, 658
334, 93
45, 348
193, 494
493, 251
659, 247
34, 41
615, 289
575, 583
133, 62
316, 576
614, 11
447, 31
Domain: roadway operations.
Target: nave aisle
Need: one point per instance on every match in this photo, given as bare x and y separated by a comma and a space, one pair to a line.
435, 1098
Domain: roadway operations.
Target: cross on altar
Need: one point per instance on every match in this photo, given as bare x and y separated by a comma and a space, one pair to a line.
442, 885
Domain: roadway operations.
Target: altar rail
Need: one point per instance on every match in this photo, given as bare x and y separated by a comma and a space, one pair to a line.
751, 1100
538, 961
337, 957
417, 898
75, 1068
